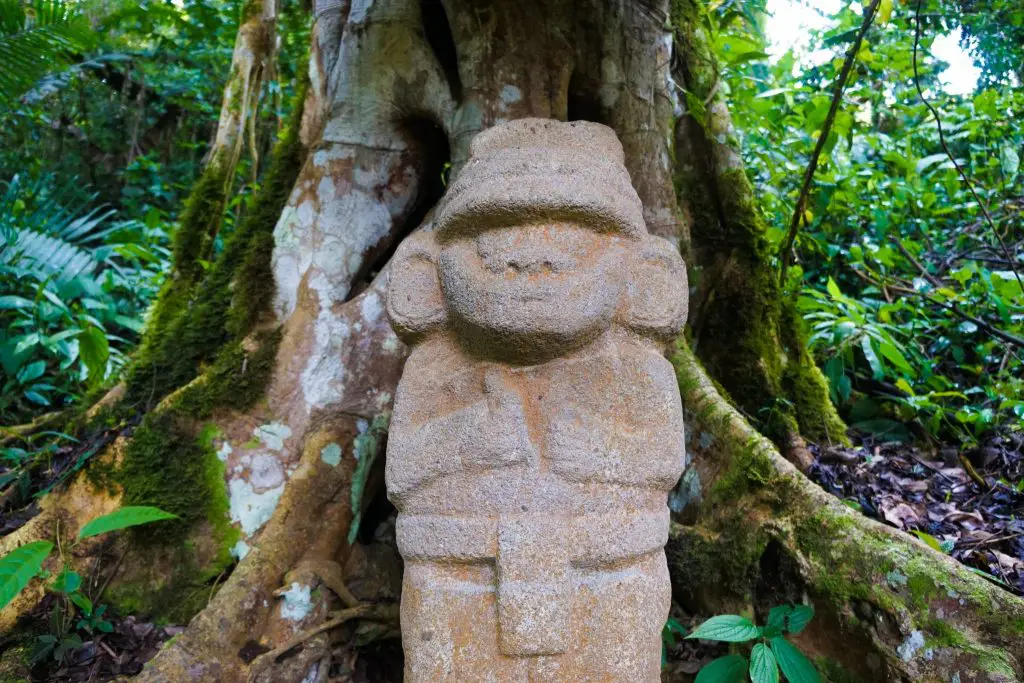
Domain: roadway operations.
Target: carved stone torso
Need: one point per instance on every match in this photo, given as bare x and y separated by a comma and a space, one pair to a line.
538, 427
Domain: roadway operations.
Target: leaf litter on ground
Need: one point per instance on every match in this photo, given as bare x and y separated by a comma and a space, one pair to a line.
938, 496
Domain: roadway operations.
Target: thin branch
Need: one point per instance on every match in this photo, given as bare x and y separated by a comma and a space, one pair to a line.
953, 308
945, 148
826, 128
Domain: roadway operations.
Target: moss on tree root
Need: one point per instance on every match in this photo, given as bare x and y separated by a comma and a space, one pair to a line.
889, 608
201, 354
192, 322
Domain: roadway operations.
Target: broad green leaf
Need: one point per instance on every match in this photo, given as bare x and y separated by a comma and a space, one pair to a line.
132, 515
67, 582
27, 342
728, 669
762, 665
877, 369
19, 566
1009, 161
83, 603
833, 289
671, 629
772, 92
929, 161
11, 301
31, 372
884, 12
728, 628
37, 398
795, 666
777, 620
893, 355
94, 350
929, 540
800, 617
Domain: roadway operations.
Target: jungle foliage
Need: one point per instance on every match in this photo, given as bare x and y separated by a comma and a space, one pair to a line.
912, 299
100, 149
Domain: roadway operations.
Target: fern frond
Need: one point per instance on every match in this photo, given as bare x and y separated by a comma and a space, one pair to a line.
45, 237
35, 38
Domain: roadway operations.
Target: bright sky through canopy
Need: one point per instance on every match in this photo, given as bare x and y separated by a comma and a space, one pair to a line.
790, 20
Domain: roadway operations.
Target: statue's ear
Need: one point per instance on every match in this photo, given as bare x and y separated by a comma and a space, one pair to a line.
656, 290
415, 304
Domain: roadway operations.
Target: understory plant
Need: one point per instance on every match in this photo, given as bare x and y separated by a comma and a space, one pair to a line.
74, 287
74, 611
771, 651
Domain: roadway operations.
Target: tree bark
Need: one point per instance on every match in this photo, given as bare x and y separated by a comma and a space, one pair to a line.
276, 370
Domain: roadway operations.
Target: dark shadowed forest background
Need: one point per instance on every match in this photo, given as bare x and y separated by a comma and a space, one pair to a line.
901, 257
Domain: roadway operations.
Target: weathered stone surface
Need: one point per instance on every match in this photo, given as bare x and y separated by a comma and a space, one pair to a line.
538, 427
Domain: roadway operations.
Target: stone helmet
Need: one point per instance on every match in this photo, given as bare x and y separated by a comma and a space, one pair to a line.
533, 171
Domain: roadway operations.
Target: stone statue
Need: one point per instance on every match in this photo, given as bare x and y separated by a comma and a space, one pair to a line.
537, 428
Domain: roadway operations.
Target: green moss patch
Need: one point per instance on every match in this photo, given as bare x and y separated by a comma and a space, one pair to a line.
191, 323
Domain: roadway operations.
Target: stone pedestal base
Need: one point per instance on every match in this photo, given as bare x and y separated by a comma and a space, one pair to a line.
450, 626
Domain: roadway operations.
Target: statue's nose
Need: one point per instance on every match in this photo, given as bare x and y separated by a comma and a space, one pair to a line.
526, 259
529, 261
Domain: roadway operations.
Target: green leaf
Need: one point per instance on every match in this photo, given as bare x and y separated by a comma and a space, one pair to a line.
884, 11
877, 369
728, 669
31, 372
799, 618
94, 350
893, 355
132, 515
669, 631
1009, 161
67, 582
762, 665
929, 540
928, 161
776, 620
37, 398
728, 628
19, 566
10, 302
795, 666
83, 603
833, 289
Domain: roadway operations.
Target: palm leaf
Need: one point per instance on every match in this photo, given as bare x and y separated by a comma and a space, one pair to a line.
36, 38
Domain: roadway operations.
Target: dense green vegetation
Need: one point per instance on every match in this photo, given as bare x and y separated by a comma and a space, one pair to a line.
105, 133
910, 295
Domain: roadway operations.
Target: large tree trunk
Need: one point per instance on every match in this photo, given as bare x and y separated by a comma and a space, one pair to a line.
269, 386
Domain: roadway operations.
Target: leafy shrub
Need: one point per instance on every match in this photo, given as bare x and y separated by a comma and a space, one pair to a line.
21, 565
74, 286
916, 313
768, 656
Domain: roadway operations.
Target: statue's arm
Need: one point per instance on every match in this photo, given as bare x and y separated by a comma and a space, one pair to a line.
490, 432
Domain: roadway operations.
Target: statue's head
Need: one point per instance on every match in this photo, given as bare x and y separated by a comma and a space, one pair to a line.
539, 247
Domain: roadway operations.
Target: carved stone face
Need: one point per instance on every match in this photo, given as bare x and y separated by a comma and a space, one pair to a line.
551, 287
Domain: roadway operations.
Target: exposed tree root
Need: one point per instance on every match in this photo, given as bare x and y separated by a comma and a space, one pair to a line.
889, 607
385, 613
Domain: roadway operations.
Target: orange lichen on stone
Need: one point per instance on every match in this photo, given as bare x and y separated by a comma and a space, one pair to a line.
538, 426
